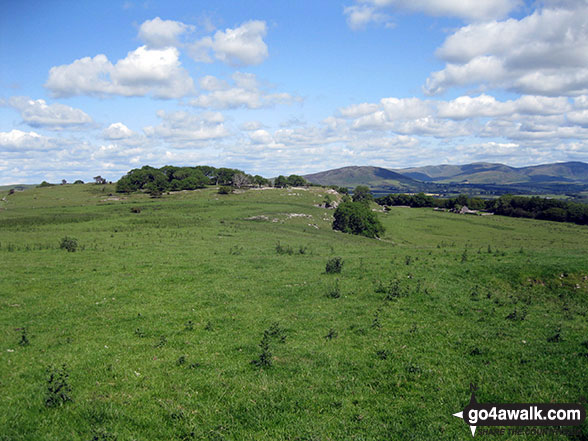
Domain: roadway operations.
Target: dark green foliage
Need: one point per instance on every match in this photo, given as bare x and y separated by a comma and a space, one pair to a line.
331, 334
265, 357
296, 181
284, 249
45, 184
507, 205
171, 178
280, 182
225, 190
334, 265
357, 218
78, 181
334, 291
24, 340
69, 243
362, 193
135, 210
58, 387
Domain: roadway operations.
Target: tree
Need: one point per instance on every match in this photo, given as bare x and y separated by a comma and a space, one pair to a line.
357, 218
240, 180
99, 180
363, 194
280, 182
63, 182
260, 181
296, 181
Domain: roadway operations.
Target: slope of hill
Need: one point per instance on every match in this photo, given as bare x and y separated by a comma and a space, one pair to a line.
488, 173
374, 177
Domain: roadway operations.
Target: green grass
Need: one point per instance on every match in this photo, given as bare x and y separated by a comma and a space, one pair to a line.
158, 316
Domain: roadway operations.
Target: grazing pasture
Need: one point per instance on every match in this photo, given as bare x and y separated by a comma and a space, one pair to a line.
212, 317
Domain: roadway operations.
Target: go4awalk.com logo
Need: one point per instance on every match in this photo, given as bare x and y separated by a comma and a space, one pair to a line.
528, 414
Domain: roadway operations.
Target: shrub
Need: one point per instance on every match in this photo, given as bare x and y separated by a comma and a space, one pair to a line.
334, 265
58, 388
265, 357
225, 190
334, 292
69, 243
284, 249
357, 218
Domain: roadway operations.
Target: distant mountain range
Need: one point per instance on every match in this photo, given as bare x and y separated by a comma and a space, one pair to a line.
480, 177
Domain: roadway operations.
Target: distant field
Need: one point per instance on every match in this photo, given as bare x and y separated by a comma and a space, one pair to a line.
158, 315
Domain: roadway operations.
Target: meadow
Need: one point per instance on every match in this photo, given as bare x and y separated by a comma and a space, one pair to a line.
212, 317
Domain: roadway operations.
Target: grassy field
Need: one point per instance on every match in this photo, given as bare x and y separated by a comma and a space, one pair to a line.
149, 329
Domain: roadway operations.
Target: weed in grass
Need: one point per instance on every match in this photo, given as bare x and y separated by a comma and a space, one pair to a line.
475, 294
208, 326
302, 249
464, 255
392, 290
58, 387
376, 321
162, 342
382, 354
69, 243
331, 334
139, 333
517, 315
135, 210
189, 326
334, 291
408, 260
24, 340
265, 357
236, 250
284, 249
475, 351
181, 360
555, 338
334, 265
102, 435
277, 332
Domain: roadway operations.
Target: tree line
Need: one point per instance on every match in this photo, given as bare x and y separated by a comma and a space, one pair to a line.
171, 178
507, 205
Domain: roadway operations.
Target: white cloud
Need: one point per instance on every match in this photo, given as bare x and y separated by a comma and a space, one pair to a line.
117, 131
359, 16
545, 53
241, 46
184, 129
364, 12
158, 33
37, 113
18, 141
245, 92
143, 71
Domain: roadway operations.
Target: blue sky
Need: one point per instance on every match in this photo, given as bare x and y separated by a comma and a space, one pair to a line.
97, 88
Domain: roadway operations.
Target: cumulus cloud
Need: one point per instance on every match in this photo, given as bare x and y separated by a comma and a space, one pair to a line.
159, 34
371, 11
37, 113
184, 129
240, 46
18, 141
246, 92
117, 131
142, 72
545, 53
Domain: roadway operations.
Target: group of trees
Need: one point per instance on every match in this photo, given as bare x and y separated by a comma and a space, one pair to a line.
506, 205
290, 181
171, 178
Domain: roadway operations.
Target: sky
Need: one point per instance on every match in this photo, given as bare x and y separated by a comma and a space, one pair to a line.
273, 87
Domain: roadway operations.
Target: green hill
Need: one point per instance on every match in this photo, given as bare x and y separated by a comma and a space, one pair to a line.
377, 178
200, 316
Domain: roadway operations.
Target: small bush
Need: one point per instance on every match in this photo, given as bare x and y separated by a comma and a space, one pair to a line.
334, 265
136, 210
69, 243
24, 340
284, 249
58, 387
334, 292
357, 218
225, 190
265, 357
